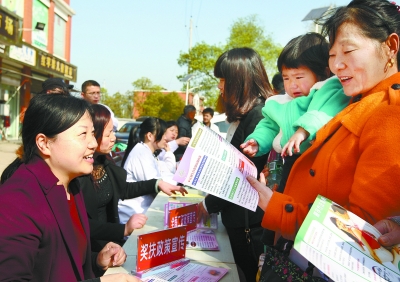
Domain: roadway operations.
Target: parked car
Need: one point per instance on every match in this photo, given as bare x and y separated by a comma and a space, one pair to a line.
122, 121
122, 134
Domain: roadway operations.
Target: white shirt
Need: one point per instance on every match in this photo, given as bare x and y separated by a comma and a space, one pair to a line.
140, 165
172, 146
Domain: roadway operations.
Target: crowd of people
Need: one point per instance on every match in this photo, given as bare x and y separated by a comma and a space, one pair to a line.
332, 112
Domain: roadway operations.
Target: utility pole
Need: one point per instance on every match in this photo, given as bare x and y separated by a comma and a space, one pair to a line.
190, 47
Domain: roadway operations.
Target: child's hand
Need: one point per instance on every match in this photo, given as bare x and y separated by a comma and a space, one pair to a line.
250, 147
299, 136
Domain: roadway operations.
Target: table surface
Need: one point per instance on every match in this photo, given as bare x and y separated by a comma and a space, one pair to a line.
155, 222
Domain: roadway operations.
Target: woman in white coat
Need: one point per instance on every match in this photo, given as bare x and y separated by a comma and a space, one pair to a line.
141, 163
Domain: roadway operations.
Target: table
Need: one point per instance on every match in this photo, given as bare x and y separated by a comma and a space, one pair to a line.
155, 222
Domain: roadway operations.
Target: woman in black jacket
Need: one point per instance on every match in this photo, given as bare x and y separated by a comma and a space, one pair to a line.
106, 185
243, 86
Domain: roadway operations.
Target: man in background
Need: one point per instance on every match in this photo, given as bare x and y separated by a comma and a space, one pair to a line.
185, 128
208, 114
91, 92
55, 85
277, 84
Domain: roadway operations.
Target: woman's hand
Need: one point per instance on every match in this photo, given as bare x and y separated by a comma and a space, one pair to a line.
250, 147
183, 141
202, 214
167, 148
136, 221
390, 231
111, 255
170, 189
264, 192
299, 136
119, 277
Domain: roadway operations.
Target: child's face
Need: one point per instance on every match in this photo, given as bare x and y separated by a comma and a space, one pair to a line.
299, 81
171, 133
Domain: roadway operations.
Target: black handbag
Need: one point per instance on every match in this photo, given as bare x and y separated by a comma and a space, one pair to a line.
278, 267
253, 238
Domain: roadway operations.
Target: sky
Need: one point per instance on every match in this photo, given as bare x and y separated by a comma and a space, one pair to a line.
118, 42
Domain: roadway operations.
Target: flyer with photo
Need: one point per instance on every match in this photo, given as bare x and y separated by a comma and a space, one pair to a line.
202, 240
213, 165
345, 247
187, 272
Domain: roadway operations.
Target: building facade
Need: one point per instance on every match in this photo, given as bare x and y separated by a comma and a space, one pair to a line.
35, 44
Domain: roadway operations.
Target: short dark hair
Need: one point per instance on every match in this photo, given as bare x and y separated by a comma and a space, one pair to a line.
208, 111
309, 50
277, 83
188, 108
246, 82
55, 85
172, 123
377, 19
88, 83
50, 115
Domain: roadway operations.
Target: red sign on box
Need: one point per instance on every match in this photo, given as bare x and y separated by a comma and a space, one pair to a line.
160, 247
184, 216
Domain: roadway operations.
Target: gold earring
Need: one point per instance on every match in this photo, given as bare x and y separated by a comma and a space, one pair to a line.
389, 64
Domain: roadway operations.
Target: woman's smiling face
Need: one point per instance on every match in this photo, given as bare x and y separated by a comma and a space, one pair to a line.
358, 61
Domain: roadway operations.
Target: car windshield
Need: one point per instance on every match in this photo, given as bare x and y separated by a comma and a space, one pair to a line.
127, 127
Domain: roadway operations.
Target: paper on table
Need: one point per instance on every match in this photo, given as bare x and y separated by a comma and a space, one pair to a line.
335, 241
213, 165
189, 272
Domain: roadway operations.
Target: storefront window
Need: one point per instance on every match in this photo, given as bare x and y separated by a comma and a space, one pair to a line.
40, 14
16, 6
59, 36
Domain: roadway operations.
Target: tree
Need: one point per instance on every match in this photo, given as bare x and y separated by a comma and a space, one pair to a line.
245, 32
248, 32
145, 83
200, 62
120, 104
139, 98
164, 106
172, 107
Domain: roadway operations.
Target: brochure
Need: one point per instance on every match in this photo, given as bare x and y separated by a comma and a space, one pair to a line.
186, 272
213, 165
202, 239
345, 247
210, 223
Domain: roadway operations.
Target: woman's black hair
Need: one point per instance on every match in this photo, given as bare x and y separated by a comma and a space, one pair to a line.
338, 209
376, 19
154, 125
48, 115
171, 123
310, 50
246, 82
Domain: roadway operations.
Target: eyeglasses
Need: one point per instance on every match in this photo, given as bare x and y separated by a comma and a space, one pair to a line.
94, 93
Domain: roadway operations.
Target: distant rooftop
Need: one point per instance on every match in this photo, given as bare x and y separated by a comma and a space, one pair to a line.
316, 13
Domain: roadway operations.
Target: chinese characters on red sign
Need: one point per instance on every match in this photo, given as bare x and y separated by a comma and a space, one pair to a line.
160, 247
186, 215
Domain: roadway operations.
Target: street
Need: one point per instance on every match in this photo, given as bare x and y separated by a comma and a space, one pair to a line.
7, 153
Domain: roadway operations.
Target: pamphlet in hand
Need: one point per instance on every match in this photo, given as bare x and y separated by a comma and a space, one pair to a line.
345, 247
213, 165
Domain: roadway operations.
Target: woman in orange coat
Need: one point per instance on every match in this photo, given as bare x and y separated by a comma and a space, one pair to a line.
354, 160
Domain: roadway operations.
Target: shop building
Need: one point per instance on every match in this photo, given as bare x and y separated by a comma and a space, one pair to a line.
35, 44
